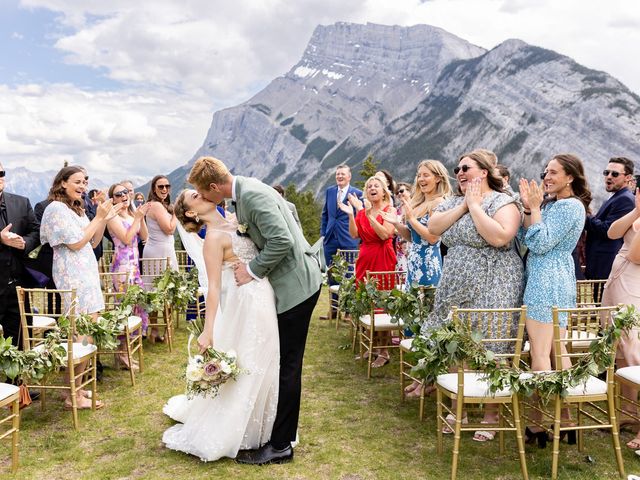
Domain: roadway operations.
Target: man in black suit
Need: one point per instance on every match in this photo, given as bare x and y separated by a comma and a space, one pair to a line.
19, 234
600, 249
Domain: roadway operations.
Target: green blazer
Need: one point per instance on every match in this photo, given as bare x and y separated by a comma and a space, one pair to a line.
285, 257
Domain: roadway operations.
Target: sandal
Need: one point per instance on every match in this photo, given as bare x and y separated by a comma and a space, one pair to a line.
412, 387
634, 444
83, 406
483, 435
421, 391
447, 428
379, 364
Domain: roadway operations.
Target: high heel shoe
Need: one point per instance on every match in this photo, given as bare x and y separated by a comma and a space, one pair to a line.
540, 437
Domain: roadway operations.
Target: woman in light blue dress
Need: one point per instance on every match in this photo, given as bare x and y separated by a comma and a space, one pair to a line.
551, 230
424, 262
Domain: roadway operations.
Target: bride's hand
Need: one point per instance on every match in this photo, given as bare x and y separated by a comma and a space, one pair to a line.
205, 340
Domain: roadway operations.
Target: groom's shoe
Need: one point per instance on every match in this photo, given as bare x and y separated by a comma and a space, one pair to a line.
264, 455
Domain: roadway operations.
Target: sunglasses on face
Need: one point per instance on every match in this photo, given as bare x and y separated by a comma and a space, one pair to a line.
464, 168
402, 190
164, 187
121, 193
542, 175
613, 173
2, 173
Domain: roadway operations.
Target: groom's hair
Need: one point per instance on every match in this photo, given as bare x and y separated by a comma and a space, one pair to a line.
208, 170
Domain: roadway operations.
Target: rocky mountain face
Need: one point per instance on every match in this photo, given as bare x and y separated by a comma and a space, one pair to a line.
408, 93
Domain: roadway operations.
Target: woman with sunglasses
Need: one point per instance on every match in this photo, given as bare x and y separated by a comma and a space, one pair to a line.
482, 269
127, 230
161, 222
551, 229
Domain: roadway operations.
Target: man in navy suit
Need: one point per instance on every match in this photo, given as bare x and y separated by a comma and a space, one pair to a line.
600, 249
335, 223
19, 234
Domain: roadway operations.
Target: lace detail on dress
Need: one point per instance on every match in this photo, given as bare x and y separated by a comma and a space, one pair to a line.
243, 247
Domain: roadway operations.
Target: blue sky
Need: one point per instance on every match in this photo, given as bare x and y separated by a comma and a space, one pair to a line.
126, 86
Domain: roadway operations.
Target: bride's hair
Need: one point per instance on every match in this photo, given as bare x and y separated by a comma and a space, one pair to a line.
180, 209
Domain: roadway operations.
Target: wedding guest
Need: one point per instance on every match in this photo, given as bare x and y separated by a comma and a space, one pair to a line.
600, 249
334, 225
161, 222
403, 190
623, 287
138, 199
19, 234
424, 265
551, 229
128, 184
67, 229
376, 235
482, 270
127, 229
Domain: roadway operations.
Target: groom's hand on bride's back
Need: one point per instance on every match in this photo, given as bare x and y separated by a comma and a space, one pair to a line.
241, 274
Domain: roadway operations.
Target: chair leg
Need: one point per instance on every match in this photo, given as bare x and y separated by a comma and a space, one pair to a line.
370, 359
439, 424
580, 432
15, 436
615, 436
519, 439
401, 375
556, 437
94, 380
132, 374
73, 396
501, 425
422, 388
456, 438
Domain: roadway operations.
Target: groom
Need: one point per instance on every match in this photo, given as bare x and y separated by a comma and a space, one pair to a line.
294, 275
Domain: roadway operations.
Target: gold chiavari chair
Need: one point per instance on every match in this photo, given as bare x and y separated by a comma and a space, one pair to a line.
104, 264
376, 327
589, 292
350, 256
10, 397
151, 268
504, 329
427, 294
184, 261
113, 289
78, 353
586, 399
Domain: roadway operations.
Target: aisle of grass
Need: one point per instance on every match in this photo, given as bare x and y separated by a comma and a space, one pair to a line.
350, 429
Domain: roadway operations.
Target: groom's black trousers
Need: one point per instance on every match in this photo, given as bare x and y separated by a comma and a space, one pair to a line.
293, 326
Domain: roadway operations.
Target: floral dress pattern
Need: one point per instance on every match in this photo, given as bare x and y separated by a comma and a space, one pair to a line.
424, 262
476, 274
125, 260
72, 269
551, 277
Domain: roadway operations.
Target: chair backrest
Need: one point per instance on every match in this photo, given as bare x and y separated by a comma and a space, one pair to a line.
350, 256
104, 264
151, 268
388, 280
40, 309
589, 292
184, 260
502, 329
114, 281
578, 318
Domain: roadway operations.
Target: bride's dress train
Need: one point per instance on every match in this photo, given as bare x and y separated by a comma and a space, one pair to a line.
242, 415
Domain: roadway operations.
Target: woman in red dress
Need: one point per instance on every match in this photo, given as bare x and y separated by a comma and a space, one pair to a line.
376, 235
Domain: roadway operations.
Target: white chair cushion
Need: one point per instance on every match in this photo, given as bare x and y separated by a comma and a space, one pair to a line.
406, 344
79, 350
334, 288
6, 390
576, 336
474, 385
593, 386
630, 373
39, 321
134, 322
382, 321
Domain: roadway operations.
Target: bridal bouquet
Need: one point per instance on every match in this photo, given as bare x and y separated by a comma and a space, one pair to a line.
205, 373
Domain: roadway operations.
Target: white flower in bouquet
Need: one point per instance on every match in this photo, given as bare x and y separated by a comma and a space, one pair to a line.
232, 354
225, 367
194, 372
198, 358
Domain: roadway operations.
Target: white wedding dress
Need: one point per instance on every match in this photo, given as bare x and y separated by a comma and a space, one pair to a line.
242, 415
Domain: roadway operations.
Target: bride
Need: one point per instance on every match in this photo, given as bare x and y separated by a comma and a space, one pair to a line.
242, 415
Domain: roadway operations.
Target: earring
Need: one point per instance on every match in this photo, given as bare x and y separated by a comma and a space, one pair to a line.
197, 218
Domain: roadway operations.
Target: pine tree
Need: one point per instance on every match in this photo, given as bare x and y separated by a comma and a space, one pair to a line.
369, 169
309, 211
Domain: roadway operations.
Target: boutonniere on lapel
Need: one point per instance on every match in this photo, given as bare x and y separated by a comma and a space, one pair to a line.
242, 230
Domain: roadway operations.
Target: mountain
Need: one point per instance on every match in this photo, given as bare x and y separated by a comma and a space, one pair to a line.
35, 185
408, 93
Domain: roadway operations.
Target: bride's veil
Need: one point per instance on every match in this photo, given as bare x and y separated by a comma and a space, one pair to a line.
193, 245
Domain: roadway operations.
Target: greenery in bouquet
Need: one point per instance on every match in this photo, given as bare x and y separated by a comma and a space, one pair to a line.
206, 372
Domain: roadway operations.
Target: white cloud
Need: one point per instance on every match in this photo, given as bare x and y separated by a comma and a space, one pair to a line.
112, 133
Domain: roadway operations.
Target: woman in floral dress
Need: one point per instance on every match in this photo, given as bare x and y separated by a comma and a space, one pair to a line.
67, 229
482, 270
127, 230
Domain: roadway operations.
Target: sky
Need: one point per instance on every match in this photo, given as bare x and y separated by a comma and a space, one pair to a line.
129, 87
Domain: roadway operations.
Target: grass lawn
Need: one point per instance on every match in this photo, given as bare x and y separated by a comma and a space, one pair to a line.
350, 429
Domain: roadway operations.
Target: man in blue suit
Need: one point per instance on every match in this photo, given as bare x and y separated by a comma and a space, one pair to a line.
335, 223
600, 249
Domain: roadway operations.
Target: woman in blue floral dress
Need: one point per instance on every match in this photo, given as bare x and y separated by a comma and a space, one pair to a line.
126, 230
67, 229
551, 230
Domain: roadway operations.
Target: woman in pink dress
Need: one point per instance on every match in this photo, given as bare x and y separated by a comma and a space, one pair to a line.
623, 286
